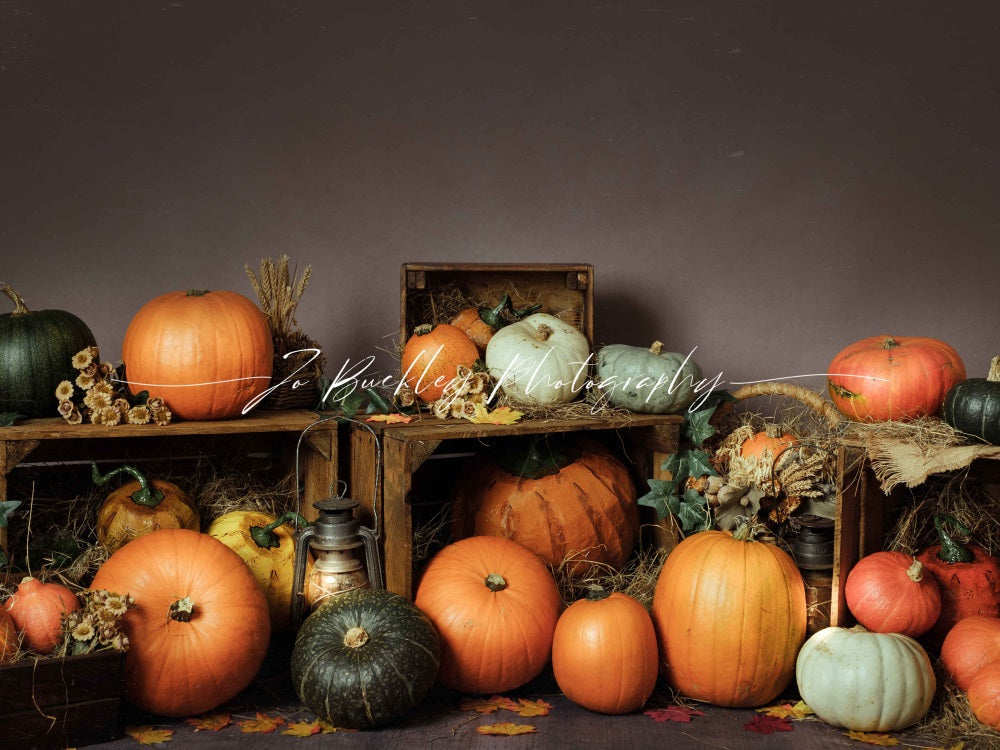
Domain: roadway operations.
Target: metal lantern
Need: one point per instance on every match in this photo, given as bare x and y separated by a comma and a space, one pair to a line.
345, 553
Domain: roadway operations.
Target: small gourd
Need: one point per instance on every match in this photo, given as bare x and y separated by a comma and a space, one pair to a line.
37, 608
364, 658
972, 406
648, 381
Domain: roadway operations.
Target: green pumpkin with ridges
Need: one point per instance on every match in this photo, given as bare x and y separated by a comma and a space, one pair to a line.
36, 349
972, 406
365, 658
647, 381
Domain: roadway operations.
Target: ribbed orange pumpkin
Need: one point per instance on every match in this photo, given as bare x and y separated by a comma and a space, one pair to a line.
890, 592
200, 627
208, 354
898, 378
567, 500
432, 356
730, 616
604, 652
970, 645
984, 695
495, 606
36, 609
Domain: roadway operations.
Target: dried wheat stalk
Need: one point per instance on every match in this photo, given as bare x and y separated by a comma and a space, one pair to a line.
279, 291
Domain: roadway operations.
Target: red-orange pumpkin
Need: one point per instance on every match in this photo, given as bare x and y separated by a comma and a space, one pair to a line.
898, 378
200, 627
37, 609
495, 605
604, 652
969, 646
9, 642
767, 444
432, 356
730, 617
570, 501
984, 695
890, 592
208, 354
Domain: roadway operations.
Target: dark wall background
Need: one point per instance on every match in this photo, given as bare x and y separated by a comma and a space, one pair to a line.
765, 181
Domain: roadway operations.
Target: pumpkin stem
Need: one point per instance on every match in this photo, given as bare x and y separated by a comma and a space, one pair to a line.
423, 329
889, 343
656, 348
748, 529
147, 495
264, 536
951, 550
181, 610
916, 571
596, 592
524, 311
356, 637
772, 430
495, 582
491, 315
19, 307
994, 374
542, 332
538, 456
197, 292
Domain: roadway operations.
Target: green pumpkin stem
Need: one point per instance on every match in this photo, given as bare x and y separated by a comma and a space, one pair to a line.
525, 311
181, 610
423, 329
147, 495
952, 551
994, 374
596, 592
197, 292
264, 536
889, 343
495, 582
19, 307
491, 315
538, 456
748, 529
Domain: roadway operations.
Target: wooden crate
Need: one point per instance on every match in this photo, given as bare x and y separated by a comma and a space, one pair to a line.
566, 291
56, 703
274, 433
389, 456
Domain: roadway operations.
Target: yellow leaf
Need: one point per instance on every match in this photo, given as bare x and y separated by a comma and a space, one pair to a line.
263, 724
488, 705
390, 418
211, 722
500, 415
506, 728
528, 709
303, 728
147, 735
326, 728
873, 738
787, 711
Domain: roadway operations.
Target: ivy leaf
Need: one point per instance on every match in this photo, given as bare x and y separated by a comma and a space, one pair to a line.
210, 722
9, 418
674, 713
692, 511
148, 735
873, 738
6, 508
763, 724
797, 711
691, 463
507, 728
662, 497
303, 728
697, 427
262, 724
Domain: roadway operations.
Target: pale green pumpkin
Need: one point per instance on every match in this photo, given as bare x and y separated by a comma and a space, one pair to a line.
649, 381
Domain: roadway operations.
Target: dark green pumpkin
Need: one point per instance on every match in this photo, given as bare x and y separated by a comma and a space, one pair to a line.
972, 406
36, 349
364, 658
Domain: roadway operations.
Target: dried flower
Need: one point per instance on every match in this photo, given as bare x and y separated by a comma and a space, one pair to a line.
105, 369
120, 405
85, 381
162, 416
75, 416
65, 391
96, 399
84, 631
441, 408
155, 403
138, 415
82, 359
106, 415
65, 408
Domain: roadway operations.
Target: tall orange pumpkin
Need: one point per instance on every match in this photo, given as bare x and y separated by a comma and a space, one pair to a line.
208, 354
495, 606
200, 627
898, 378
431, 358
730, 616
564, 499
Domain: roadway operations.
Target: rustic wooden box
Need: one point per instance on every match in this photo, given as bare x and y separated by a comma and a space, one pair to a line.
57, 703
389, 456
428, 291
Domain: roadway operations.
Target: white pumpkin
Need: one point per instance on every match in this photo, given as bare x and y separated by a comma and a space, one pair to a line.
539, 360
864, 681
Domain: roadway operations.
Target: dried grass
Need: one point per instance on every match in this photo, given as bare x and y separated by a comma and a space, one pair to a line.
951, 722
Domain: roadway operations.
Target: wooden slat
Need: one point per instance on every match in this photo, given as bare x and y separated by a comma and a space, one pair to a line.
397, 521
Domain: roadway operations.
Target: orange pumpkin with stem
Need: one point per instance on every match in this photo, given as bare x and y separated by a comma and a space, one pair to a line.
200, 626
890, 592
37, 608
970, 645
208, 354
432, 356
730, 615
495, 605
604, 652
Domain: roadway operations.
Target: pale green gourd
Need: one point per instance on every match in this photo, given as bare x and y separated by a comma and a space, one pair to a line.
649, 381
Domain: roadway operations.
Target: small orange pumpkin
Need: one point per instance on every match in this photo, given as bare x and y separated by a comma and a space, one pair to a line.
140, 506
9, 642
37, 609
984, 695
432, 356
768, 444
604, 652
208, 354
890, 592
970, 645
480, 323
495, 606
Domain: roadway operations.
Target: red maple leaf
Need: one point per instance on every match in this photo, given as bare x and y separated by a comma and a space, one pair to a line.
763, 724
674, 713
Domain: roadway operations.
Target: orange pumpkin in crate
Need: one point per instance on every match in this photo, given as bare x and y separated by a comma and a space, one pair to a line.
431, 358
569, 500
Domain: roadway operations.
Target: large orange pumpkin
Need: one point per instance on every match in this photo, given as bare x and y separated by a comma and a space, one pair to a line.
208, 354
730, 615
495, 606
604, 652
432, 356
570, 501
200, 627
900, 378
